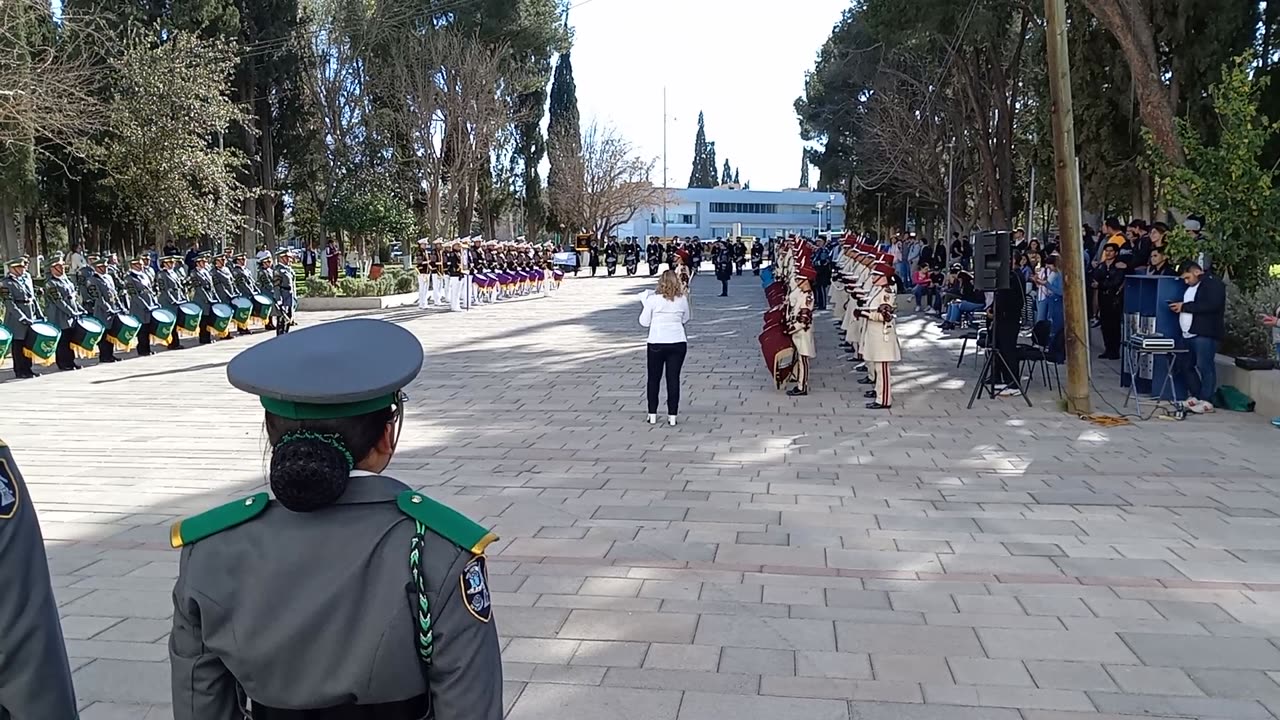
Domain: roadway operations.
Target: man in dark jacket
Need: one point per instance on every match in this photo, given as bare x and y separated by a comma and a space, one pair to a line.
1202, 317
722, 259
1108, 281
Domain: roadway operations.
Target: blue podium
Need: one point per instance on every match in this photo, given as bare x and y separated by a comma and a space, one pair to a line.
1146, 311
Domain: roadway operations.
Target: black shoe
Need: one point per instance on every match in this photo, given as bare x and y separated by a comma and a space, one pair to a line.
724, 295
797, 392
861, 368
866, 381
877, 406
103, 361
144, 354
948, 325
870, 394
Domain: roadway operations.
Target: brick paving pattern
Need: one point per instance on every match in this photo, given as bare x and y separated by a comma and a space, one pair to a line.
769, 557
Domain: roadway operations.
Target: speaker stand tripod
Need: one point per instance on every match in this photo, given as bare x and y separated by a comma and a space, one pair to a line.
987, 379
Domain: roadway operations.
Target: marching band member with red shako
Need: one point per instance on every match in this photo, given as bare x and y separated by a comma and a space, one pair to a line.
880, 338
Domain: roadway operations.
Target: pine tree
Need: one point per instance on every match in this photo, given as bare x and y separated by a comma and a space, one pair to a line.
564, 147
711, 165
700, 177
726, 175
736, 181
804, 170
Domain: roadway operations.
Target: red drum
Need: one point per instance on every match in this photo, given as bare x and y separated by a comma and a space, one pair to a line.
779, 353
774, 315
776, 293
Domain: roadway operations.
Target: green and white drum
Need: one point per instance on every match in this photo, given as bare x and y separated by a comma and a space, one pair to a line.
222, 314
242, 310
262, 305
44, 347
6, 339
124, 331
162, 324
189, 319
85, 333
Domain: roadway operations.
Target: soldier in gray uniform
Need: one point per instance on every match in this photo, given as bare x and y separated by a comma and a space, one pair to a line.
244, 285
172, 292
142, 300
286, 291
381, 589
224, 284
116, 272
20, 311
205, 296
105, 304
35, 677
267, 286
84, 273
62, 306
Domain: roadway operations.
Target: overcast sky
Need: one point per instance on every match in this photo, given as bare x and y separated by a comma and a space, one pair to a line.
741, 62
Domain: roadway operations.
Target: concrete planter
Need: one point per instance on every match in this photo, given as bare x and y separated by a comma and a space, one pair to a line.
324, 304
1261, 385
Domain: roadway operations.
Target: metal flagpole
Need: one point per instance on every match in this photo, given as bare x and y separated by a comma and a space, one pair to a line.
1031, 204
664, 162
951, 155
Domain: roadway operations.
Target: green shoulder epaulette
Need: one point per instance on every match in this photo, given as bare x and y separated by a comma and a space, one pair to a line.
212, 522
446, 522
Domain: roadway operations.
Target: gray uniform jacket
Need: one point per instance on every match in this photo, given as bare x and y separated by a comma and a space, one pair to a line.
141, 299
82, 279
224, 285
172, 293
104, 298
205, 296
35, 678
20, 309
61, 301
331, 587
286, 288
244, 282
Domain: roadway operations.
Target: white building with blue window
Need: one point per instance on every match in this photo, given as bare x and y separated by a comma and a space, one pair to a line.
717, 212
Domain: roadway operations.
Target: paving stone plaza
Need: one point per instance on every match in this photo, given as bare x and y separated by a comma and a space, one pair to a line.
770, 557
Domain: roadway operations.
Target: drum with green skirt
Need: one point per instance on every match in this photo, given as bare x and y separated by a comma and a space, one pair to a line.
6, 339
242, 310
162, 324
85, 333
222, 314
123, 331
44, 347
262, 305
189, 319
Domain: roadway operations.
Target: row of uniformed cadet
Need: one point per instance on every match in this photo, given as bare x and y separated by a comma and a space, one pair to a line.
865, 299
795, 269
102, 291
471, 271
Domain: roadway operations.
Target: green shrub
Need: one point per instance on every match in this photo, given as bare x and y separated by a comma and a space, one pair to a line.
405, 283
317, 287
1246, 336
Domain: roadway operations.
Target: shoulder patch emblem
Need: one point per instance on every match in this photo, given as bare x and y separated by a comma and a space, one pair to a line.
10, 492
475, 589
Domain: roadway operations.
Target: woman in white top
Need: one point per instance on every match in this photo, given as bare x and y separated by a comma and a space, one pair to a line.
665, 314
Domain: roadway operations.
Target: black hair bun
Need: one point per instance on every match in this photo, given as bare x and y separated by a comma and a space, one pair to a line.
308, 474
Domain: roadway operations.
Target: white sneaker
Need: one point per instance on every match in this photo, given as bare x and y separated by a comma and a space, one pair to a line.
1010, 391
1196, 406
653, 419
671, 420
1208, 406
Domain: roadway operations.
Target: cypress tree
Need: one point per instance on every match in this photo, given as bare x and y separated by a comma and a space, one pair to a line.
804, 170
700, 177
711, 166
726, 175
564, 145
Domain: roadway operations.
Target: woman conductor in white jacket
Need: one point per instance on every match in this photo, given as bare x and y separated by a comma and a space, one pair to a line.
665, 313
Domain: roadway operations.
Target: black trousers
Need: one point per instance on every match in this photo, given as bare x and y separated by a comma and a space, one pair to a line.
175, 342
206, 335
144, 342
1110, 317
106, 351
22, 363
666, 359
65, 357
724, 286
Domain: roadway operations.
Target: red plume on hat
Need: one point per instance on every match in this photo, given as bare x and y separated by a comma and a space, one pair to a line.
883, 269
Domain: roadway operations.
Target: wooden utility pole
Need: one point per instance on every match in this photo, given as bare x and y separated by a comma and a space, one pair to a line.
1071, 235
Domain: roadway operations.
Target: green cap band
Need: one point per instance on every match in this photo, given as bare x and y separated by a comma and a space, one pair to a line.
313, 411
